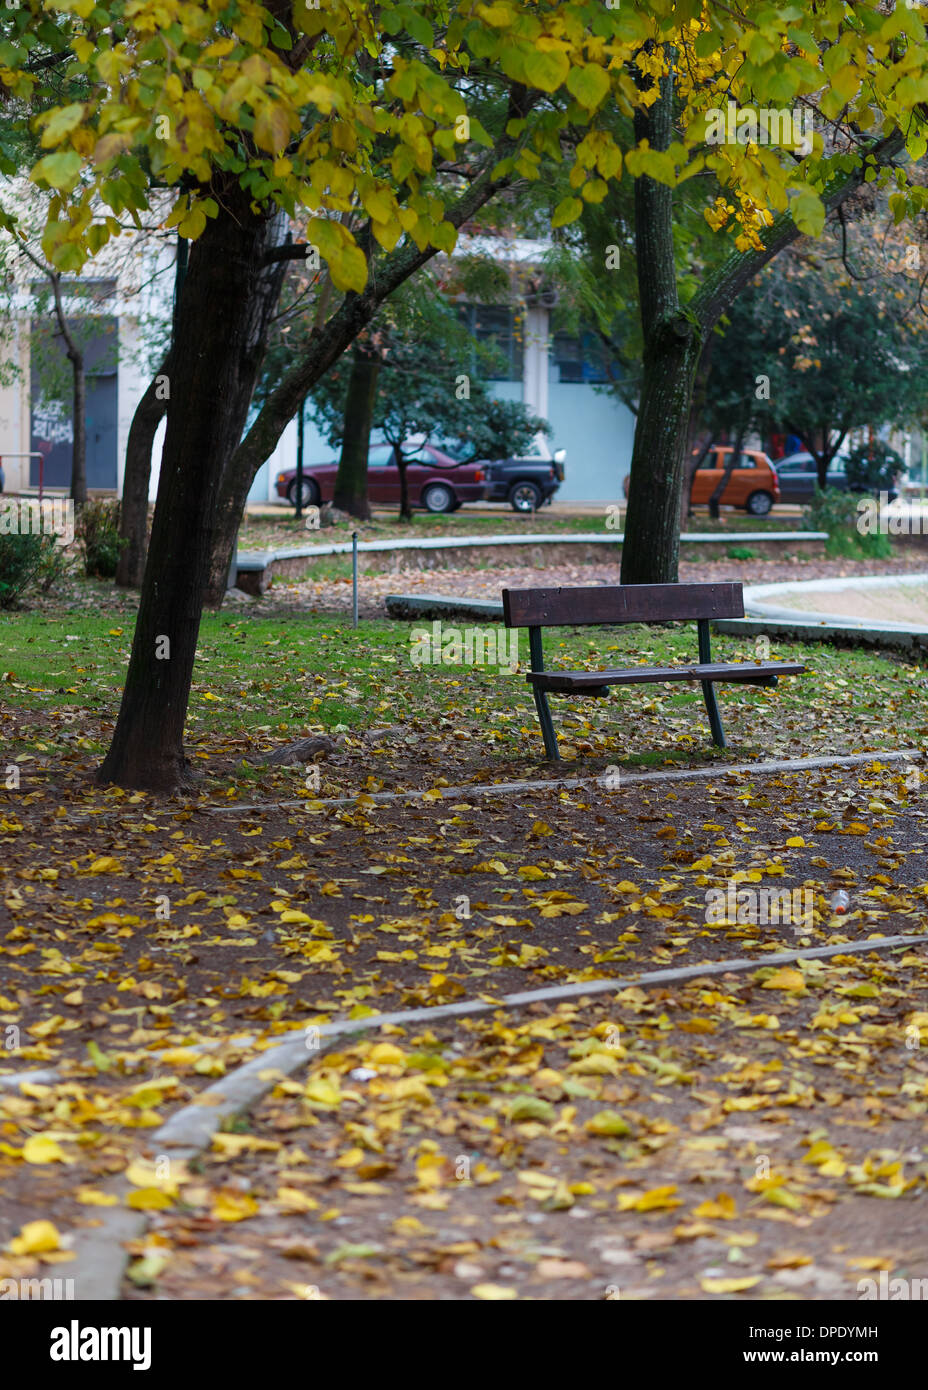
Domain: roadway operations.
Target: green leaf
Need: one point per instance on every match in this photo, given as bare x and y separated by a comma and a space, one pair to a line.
60, 123
59, 170
546, 69
567, 210
588, 85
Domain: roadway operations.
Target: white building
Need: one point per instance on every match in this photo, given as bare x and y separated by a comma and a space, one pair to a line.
555, 375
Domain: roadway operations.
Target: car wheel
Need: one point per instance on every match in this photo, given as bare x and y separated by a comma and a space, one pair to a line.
438, 497
759, 503
310, 493
525, 497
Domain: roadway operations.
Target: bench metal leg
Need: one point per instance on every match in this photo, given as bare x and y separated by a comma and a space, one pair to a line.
708, 694
712, 709
547, 725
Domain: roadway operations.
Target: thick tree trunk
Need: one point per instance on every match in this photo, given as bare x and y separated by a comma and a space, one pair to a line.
221, 322
133, 523
672, 347
79, 416
351, 482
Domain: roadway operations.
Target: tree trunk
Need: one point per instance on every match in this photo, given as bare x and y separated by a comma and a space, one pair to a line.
405, 509
328, 342
221, 321
351, 482
133, 523
727, 471
79, 415
672, 347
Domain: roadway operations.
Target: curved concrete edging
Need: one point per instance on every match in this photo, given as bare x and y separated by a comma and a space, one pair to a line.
100, 1250
756, 605
263, 558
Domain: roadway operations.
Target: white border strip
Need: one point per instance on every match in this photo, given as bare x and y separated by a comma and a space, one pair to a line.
574, 783
755, 605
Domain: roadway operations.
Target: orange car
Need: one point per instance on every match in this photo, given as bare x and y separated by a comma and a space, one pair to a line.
753, 483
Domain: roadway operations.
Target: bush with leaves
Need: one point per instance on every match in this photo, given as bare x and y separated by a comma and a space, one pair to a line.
836, 511
873, 467
29, 561
98, 536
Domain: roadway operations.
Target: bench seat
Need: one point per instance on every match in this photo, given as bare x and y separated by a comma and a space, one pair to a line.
747, 673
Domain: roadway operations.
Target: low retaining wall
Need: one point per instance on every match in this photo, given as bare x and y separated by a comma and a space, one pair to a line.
255, 571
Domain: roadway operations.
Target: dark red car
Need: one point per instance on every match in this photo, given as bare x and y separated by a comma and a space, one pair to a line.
435, 480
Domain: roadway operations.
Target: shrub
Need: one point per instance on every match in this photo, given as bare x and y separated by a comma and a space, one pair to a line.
835, 511
873, 467
32, 559
98, 536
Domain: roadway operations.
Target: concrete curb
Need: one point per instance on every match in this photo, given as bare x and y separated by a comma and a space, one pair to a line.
100, 1250
756, 605
603, 782
260, 559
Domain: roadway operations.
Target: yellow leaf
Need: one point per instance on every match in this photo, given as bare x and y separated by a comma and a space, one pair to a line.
40, 1149
494, 1293
786, 979
35, 1238
658, 1199
723, 1209
233, 1206
728, 1285
148, 1199
106, 865
92, 1197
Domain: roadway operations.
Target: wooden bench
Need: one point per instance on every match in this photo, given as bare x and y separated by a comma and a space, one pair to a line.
633, 603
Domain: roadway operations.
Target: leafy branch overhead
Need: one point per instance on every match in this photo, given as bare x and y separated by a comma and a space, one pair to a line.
355, 114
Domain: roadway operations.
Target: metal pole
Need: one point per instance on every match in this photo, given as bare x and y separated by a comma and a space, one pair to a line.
354, 579
41, 473
299, 461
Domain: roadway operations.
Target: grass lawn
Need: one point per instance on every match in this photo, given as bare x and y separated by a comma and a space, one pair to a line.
260, 682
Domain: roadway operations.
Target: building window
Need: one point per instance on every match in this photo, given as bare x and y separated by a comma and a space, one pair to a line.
501, 328
578, 357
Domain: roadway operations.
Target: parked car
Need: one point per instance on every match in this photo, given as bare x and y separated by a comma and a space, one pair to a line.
526, 482
436, 481
798, 478
753, 484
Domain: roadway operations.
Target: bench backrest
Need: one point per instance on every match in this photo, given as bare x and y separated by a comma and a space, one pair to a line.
620, 603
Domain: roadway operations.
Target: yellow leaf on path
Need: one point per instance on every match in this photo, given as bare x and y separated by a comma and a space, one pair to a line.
795, 842
786, 979
292, 1199
495, 1293
40, 1149
92, 1197
723, 1208
35, 1238
728, 1285
143, 1174
106, 865
233, 1206
658, 1199
148, 1199
788, 1259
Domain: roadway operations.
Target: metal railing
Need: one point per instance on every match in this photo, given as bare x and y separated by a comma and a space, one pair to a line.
33, 454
